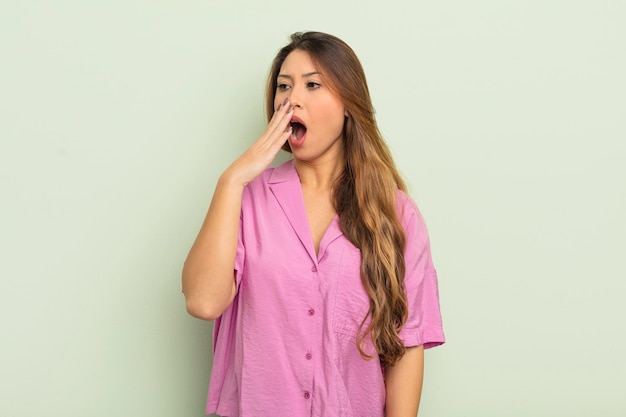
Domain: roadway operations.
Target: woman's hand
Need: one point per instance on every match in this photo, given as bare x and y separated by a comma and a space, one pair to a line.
262, 152
209, 283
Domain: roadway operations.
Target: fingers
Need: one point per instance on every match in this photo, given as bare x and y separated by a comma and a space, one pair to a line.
262, 152
276, 132
281, 118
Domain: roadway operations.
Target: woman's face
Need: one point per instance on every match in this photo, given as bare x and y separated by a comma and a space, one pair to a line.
318, 113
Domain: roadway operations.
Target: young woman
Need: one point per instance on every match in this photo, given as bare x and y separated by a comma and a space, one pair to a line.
318, 272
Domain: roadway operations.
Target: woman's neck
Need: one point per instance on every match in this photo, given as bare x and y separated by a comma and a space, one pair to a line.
319, 174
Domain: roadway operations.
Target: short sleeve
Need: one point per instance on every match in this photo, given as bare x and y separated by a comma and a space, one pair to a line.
424, 325
240, 255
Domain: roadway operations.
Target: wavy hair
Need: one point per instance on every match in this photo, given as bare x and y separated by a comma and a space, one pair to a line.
364, 195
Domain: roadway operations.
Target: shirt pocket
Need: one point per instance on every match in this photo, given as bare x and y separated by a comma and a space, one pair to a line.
351, 302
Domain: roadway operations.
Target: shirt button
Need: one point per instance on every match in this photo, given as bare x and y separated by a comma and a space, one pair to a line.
313, 269
308, 356
307, 395
311, 311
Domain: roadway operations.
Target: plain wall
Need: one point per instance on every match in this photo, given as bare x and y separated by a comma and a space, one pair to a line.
507, 119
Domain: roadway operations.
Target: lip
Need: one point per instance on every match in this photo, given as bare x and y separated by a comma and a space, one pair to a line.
292, 140
297, 119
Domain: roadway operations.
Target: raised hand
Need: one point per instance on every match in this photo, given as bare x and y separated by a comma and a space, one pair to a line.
208, 280
262, 152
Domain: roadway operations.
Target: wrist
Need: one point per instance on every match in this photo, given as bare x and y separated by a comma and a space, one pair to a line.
230, 179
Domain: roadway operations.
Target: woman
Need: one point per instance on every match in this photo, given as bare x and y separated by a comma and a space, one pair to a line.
318, 272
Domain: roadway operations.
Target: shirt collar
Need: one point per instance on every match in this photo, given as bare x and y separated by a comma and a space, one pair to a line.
284, 172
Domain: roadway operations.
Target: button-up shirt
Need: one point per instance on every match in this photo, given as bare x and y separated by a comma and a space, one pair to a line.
286, 346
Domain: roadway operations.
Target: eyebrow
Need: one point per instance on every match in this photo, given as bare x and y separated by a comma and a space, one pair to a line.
308, 74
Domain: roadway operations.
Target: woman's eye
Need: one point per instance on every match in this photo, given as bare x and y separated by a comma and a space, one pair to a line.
282, 87
312, 85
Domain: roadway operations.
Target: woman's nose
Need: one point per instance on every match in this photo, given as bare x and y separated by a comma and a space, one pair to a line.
295, 97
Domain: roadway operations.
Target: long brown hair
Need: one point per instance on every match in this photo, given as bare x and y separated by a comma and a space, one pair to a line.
365, 194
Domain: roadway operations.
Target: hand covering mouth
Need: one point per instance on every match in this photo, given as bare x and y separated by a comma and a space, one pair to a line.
298, 128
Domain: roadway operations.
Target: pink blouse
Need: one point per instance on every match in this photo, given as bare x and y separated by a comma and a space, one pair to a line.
286, 347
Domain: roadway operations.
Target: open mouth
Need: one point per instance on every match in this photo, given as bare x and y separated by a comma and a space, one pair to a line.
298, 129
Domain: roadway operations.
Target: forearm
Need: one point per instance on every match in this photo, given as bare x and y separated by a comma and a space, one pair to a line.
208, 277
403, 383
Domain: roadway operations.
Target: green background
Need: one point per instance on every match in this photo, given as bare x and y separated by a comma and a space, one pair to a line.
507, 119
